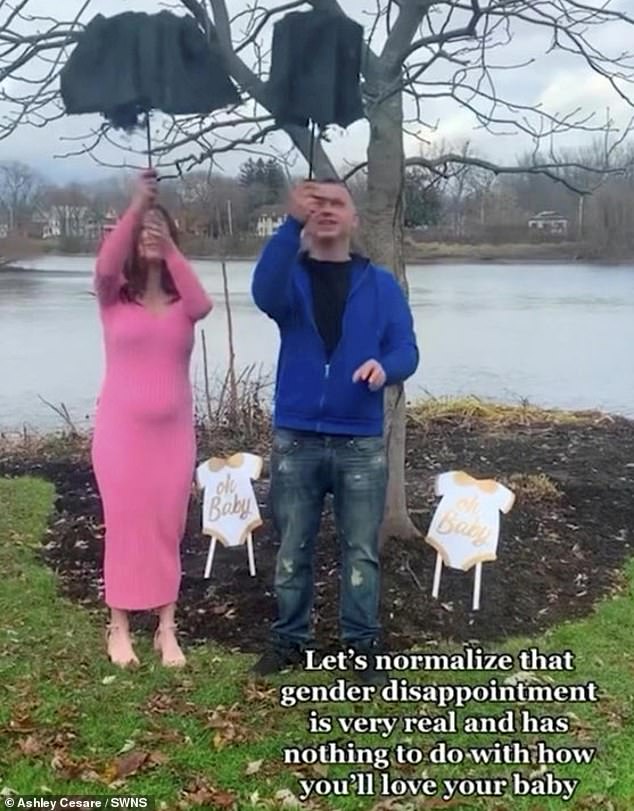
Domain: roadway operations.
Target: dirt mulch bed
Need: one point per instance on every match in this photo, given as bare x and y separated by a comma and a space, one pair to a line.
559, 553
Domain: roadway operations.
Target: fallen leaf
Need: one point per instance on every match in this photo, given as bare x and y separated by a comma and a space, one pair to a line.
158, 759
153, 737
30, 746
108, 679
200, 792
287, 799
219, 740
254, 766
387, 805
229, 727
63, 737
223, 799
320, 769
63, 763
90, 776
616, 712
581, 730
422, 803
129, 764
167, 702
109, 774
597, 802
258, 692
21, 722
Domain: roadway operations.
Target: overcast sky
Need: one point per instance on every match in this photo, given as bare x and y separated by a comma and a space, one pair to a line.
558, 82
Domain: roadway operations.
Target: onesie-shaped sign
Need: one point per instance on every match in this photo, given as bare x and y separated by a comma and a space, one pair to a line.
464, 530
230, 508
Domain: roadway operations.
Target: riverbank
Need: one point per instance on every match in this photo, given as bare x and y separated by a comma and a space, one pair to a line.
416, 253
210, 737
427, 252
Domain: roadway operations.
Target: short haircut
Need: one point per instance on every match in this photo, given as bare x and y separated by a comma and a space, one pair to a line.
333, 181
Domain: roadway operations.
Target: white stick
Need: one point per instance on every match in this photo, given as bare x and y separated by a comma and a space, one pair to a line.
210, 558
477, 583
251, 555
437, 572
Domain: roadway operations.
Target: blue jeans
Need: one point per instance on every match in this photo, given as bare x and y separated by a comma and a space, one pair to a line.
304, 468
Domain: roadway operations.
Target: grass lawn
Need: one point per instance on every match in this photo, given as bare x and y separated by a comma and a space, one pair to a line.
71, 723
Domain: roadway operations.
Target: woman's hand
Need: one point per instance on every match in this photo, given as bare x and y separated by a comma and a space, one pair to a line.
157, 231
146, 190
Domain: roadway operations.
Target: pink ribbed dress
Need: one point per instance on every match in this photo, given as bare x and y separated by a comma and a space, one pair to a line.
143, 449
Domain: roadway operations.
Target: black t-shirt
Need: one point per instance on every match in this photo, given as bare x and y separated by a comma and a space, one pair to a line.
330, 283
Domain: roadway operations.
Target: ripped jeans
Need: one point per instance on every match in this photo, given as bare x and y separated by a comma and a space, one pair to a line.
304, 468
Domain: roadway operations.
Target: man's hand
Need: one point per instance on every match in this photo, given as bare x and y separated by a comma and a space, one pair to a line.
372, 372
301, 201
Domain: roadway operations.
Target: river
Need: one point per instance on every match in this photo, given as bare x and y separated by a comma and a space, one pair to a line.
555, 334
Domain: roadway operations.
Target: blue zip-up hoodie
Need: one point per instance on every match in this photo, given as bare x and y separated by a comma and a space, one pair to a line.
312, 393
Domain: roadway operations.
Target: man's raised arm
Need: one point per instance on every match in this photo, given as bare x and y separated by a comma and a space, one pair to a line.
272, 286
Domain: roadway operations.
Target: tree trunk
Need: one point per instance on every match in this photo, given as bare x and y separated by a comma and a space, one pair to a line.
383, 238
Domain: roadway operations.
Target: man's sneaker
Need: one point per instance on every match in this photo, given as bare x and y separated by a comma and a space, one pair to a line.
371, 674
277, 659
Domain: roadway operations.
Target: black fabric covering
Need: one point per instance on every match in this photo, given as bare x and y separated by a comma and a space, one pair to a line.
135, 62
330, 285
315, 69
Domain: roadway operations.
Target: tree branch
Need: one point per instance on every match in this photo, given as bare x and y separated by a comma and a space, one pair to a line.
399, 38
547, 169
256, 88
442, 38
266, 16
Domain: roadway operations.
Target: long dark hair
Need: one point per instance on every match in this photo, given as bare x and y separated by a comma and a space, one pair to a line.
135, 272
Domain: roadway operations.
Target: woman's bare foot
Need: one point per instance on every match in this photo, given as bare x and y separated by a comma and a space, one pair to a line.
166, 643
119, 645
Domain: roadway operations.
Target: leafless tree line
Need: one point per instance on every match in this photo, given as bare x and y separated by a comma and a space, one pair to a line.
468, 205
205, 204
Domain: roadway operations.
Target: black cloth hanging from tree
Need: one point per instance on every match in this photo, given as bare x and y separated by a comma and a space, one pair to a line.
129, 64
315, 70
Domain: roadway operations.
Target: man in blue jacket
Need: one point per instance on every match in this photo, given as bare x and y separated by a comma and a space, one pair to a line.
346, 332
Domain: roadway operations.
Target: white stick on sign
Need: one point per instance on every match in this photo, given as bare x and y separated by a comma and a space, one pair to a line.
437, 572
477, 583
210, 558
251, 555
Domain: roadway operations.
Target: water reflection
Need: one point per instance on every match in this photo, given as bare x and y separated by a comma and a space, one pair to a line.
555, 334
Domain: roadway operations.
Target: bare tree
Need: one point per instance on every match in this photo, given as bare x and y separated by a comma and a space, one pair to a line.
107, 196
213, 205
69, 206
418, 52
20, 191
480, 184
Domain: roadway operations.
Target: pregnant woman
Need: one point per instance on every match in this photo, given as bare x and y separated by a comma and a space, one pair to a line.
143, 449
